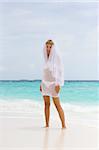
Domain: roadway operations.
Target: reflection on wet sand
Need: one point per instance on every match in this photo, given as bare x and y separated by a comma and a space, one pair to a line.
58, 139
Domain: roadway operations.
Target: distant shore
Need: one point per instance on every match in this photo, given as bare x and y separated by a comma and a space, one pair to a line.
27, 80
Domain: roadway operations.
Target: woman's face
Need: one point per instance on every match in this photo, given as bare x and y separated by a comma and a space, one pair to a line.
48, 48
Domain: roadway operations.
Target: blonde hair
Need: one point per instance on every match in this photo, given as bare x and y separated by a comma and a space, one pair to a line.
50, 42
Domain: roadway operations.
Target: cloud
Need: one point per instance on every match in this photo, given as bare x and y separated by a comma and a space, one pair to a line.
2, 68
26, 26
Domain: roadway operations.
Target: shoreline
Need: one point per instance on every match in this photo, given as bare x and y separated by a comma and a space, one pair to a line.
23, 129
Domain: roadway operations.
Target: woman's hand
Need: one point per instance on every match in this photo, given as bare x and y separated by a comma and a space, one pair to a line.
57, 88
40, 88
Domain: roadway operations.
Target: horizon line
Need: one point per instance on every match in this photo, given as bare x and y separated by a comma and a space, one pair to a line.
18, 80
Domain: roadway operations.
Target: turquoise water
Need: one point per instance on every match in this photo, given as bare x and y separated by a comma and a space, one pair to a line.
72, 92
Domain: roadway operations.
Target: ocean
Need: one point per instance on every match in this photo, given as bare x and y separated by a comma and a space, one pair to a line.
76, 95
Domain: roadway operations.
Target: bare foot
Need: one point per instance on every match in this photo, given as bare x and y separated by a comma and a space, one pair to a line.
64, 127
46, 126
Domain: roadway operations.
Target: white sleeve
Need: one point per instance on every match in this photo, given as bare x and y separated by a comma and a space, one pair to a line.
59, 72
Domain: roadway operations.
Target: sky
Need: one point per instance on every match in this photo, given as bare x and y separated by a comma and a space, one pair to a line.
24, 28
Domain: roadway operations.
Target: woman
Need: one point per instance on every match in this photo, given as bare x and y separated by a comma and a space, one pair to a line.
53, 78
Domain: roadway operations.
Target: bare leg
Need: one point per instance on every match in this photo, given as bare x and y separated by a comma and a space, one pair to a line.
60, 110
47, 109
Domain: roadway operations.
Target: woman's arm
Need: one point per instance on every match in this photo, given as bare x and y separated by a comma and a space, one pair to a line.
59, 75
40, 88
57, 88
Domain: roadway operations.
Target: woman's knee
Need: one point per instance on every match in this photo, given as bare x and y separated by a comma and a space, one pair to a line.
47, 104
47, 101
57, 102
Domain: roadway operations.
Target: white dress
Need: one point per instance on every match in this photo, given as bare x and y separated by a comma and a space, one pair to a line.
48, 84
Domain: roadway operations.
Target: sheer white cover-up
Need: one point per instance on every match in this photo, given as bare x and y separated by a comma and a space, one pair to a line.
53, 72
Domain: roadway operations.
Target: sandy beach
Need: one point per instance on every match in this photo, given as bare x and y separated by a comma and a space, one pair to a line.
22, 129
49, 47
